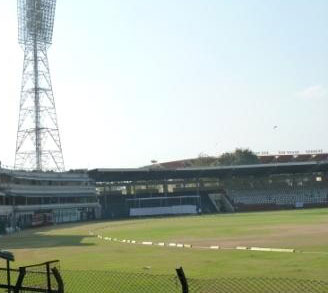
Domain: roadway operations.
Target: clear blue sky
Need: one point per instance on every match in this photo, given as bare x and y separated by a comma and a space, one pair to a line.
165, 80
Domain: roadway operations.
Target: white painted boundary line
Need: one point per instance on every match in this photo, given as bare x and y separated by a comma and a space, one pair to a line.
272, 249
242, 248
282, 250
260, 249
182, 245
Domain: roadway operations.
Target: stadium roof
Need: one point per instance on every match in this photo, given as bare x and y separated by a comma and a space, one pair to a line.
112, 175
263, 159
45, 176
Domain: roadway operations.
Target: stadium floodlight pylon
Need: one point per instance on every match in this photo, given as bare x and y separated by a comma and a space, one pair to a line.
38, 145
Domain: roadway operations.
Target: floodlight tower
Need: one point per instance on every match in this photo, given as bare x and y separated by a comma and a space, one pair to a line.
38, 145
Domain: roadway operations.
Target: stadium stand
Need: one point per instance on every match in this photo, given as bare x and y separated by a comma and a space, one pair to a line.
42, 198
295, 197
220, 189
170, 210
38, 198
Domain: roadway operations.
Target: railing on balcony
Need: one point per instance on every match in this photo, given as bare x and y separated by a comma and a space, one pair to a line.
18, 189
56, 206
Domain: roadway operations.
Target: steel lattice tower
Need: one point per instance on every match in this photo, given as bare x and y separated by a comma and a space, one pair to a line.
38, 145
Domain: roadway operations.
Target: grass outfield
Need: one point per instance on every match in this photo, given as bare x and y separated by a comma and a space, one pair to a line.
304, 230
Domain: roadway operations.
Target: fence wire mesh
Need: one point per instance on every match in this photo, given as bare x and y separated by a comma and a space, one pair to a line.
41, 276
113, 281
109, 281
3, 278
37, 278
256, 285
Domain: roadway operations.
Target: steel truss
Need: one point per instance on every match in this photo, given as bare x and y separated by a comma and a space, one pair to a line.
38, 145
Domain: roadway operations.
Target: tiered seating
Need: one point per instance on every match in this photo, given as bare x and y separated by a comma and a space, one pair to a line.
172, 210
280, 196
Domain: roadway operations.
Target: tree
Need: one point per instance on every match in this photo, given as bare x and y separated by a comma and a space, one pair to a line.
203, 160
238, 157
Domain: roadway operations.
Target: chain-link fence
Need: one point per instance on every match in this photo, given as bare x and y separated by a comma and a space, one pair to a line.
39, 276
256, 285
113, 281
4, 278
43, 277
109, 281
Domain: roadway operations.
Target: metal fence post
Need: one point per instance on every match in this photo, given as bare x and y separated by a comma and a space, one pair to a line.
8, 276
19, 283
58, 279
48, 277
183, 280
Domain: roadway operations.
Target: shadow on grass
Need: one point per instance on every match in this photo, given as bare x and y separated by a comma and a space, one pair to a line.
34, 239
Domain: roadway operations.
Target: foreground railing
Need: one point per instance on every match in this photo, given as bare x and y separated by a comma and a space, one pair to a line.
43, 277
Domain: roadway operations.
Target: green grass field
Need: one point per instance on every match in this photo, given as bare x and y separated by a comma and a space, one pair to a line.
304, 230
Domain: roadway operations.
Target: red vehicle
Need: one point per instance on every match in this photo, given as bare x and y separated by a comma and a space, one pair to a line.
42, 219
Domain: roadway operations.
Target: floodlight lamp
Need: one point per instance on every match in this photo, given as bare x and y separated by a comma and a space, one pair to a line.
36, 21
